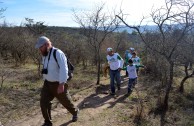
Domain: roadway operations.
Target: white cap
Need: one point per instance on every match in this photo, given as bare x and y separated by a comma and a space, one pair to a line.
131, 48
109, 49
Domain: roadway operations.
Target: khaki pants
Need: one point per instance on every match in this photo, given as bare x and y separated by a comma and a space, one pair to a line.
48, 93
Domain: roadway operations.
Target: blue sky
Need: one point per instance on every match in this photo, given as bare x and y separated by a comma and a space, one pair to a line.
59, 12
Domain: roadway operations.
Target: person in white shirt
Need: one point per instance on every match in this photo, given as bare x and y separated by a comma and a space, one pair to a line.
116, 64
128, 55
55, 77
136, 60
132, 74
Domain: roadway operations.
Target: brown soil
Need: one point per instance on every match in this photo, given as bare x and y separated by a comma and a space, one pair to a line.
97, 108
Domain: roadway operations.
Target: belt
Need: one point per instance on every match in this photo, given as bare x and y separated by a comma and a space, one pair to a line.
114, 70
51, 81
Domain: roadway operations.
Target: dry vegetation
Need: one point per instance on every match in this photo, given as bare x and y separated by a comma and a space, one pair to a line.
20, 98
164, 94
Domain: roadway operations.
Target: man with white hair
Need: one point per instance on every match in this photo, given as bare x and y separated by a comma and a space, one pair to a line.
55, 77
116, 64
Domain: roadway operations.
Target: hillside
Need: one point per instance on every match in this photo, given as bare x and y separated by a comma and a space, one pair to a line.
20, 103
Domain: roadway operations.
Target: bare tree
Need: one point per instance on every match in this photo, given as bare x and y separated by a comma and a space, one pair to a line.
121, 40
37, 28
1, 12
187, 76
174, 21
73, 45
186, 58
96, 26
4, 73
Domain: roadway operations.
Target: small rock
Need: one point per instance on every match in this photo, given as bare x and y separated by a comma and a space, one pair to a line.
85, 104
1, 124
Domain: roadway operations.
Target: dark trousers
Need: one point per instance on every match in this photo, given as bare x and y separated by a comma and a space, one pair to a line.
114, 74
131, 83
48, 93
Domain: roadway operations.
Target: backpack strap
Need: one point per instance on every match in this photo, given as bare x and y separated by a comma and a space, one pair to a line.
54, 54
69, 64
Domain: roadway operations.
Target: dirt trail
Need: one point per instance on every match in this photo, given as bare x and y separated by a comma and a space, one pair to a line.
92, 102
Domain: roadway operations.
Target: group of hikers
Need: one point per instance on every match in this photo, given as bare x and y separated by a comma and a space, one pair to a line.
116, 64
55, 76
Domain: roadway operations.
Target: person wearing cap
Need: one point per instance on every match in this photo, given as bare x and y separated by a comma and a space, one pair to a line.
132, 74
136, 60
116, 64
55, 80
128, 55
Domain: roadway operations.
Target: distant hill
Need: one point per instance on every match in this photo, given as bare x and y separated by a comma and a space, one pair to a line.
120, 29
129, 30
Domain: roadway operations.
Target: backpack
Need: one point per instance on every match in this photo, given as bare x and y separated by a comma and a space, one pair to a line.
69, 64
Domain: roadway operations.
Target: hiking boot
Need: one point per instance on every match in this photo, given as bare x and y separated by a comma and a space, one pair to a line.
112, 93
75, 117
129, 91
47, 124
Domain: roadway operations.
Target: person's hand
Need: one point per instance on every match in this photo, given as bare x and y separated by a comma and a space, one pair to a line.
119, 69
60, 88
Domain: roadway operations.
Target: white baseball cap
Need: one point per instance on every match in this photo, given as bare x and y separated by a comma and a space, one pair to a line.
109, 49
131, 48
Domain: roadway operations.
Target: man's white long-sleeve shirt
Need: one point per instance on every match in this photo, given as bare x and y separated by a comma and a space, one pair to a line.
115, 61
55, 72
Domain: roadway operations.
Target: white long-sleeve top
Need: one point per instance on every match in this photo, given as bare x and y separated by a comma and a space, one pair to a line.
136, 60
55, 72
115, 61
131, 69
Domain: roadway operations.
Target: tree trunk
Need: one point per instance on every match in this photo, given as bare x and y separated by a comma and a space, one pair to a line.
190, 65
187, 76
39, 73
168, 87
181, 88
84, 63
98, 74
1, 82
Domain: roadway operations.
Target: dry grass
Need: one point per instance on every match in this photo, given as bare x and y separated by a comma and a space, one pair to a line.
19, 97
20, 93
